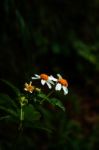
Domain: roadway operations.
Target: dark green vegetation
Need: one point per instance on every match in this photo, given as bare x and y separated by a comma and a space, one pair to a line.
54, 36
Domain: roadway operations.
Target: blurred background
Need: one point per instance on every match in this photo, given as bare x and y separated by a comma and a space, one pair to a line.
55, 36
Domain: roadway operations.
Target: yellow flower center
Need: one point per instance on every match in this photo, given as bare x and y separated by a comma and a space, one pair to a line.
44, 77
63, 82
29, 87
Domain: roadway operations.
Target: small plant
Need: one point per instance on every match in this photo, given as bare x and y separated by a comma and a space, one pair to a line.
27, 106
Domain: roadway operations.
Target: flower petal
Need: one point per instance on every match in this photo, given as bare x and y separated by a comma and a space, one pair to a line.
50, 81
52, 78
34, 78
49, 85
37, 75
65, 90
43, 82
25, 89
59, 76
58, 87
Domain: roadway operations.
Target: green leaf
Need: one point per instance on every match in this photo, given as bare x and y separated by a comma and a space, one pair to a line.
8, 111
86, 51
47, 117
57, 102
5, 100
5, 117
43, 127
43, 96
24, 32
14, 88
30, 114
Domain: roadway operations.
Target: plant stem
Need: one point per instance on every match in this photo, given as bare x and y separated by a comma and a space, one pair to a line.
21, 117
21, 114
47, 96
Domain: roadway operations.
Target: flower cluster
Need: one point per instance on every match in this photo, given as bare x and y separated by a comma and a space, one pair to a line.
59, 83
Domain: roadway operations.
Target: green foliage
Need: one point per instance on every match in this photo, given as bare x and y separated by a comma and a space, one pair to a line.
56, 102
26, 110
30, 114
87, 52
24, 103
52, 101
5, 100
13, 88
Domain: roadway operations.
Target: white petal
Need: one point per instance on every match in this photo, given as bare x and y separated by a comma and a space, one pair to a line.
34, 78
58, 87
65, 90
49, 85
50, 81
59, 76
25, 89
37, 76
43, 82
52, 78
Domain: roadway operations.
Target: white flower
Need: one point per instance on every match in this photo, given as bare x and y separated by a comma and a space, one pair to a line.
61, 84
45, 79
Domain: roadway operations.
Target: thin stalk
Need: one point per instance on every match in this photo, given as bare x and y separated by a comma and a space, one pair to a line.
21, 118
47, 96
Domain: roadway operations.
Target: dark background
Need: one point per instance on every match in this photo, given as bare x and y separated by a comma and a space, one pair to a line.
54, 36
